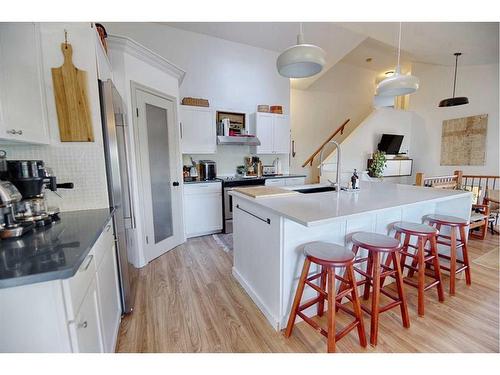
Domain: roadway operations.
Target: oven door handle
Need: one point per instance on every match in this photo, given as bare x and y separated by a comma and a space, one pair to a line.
267, 220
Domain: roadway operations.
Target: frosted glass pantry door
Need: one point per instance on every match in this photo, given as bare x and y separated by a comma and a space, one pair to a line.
160, 173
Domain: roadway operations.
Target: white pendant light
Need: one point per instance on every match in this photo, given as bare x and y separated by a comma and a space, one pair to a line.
302, 60
398, 84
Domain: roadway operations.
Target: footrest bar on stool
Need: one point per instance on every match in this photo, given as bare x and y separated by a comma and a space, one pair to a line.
309, 303
312, 323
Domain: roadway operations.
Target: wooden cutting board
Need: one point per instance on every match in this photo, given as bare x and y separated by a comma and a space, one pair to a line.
72, 104
265, 191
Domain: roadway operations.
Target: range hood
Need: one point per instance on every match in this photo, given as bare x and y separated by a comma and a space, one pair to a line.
238, 140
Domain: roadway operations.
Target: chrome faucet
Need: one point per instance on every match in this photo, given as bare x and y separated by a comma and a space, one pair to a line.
335, 184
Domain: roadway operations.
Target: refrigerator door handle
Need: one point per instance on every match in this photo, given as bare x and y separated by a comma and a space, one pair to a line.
131, 217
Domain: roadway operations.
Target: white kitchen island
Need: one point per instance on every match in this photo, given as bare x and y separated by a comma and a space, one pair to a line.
269, 232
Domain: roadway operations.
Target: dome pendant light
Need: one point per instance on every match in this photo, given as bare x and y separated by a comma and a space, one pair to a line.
398, 84
460, 100
302, 60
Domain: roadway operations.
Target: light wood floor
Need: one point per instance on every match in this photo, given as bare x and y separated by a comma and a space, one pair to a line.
188, 301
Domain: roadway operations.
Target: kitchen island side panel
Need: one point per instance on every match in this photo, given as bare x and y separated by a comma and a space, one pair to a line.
257, 240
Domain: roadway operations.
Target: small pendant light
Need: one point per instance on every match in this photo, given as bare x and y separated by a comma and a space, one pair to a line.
398, 84
301, 60
454, 101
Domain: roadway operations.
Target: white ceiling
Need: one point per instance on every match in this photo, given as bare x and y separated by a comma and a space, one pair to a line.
428, 42
435, 42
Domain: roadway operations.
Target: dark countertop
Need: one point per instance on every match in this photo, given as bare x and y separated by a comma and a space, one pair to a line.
264, 177
54, 252
199, 181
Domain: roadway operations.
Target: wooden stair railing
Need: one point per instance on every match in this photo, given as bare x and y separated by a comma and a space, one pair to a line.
459, 181
340, 130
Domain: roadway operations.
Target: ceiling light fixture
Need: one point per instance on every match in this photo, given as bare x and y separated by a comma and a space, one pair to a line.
460, 100
398, 84
301, 60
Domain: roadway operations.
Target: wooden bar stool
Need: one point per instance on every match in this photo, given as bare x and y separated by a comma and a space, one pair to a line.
329, 256
422, 258
377, 245
457, 226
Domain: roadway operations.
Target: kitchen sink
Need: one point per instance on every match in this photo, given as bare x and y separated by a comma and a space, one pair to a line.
321, 189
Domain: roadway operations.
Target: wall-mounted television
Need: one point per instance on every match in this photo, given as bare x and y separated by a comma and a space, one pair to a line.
390, 143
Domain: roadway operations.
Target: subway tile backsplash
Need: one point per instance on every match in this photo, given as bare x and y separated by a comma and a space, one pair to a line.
82, 164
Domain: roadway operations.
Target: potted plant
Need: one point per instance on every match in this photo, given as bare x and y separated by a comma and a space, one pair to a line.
378, 164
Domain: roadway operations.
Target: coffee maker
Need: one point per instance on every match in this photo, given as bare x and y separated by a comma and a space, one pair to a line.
30, 178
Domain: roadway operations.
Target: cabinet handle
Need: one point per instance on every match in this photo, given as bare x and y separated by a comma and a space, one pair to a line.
83, 325
108, 227
181, 129
267, 220
87, 265
293, 149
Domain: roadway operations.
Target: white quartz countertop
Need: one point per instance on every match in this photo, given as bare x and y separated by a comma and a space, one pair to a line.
320, 208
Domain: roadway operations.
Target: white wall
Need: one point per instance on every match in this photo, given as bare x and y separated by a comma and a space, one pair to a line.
358, 147
230, 75
79, 162
346, 91
480, 84
127, 69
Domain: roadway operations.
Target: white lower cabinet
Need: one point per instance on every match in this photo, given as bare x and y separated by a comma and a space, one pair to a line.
275, 182
80, 314
109, 300
293, 181
202, 208
285, 181
86, 328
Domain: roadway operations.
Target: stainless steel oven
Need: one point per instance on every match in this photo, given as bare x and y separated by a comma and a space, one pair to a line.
228, 210
227, 204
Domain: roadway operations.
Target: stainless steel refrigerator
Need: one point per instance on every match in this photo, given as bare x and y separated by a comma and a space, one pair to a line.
114, 126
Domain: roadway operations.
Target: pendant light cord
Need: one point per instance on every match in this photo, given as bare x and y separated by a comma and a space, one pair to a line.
300, 37
399, 43
455, 78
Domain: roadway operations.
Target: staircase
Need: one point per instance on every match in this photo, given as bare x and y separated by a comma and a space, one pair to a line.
330, 162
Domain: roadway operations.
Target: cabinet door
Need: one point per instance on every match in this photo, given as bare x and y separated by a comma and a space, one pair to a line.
295, 181
405, 168
202, 213
199, 135
275, 182
109, 299
264, 131
22, 89
392, 168
281, 135
86, 325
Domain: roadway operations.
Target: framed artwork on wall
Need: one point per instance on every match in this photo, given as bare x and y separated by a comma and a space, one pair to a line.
463, 140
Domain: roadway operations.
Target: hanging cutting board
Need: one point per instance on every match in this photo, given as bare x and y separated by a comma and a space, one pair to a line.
265, 191
72, 104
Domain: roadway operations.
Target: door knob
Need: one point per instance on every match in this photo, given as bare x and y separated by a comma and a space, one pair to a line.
176, 183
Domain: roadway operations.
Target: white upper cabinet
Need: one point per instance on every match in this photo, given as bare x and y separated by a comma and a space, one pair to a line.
281, 134
264, 131
273, 131
198, 130
23, 111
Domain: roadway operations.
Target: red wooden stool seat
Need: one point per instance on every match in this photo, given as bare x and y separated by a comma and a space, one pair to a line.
378, 245
325, 253
457, 227
375, 241
422, 258
329, 256
446, 220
